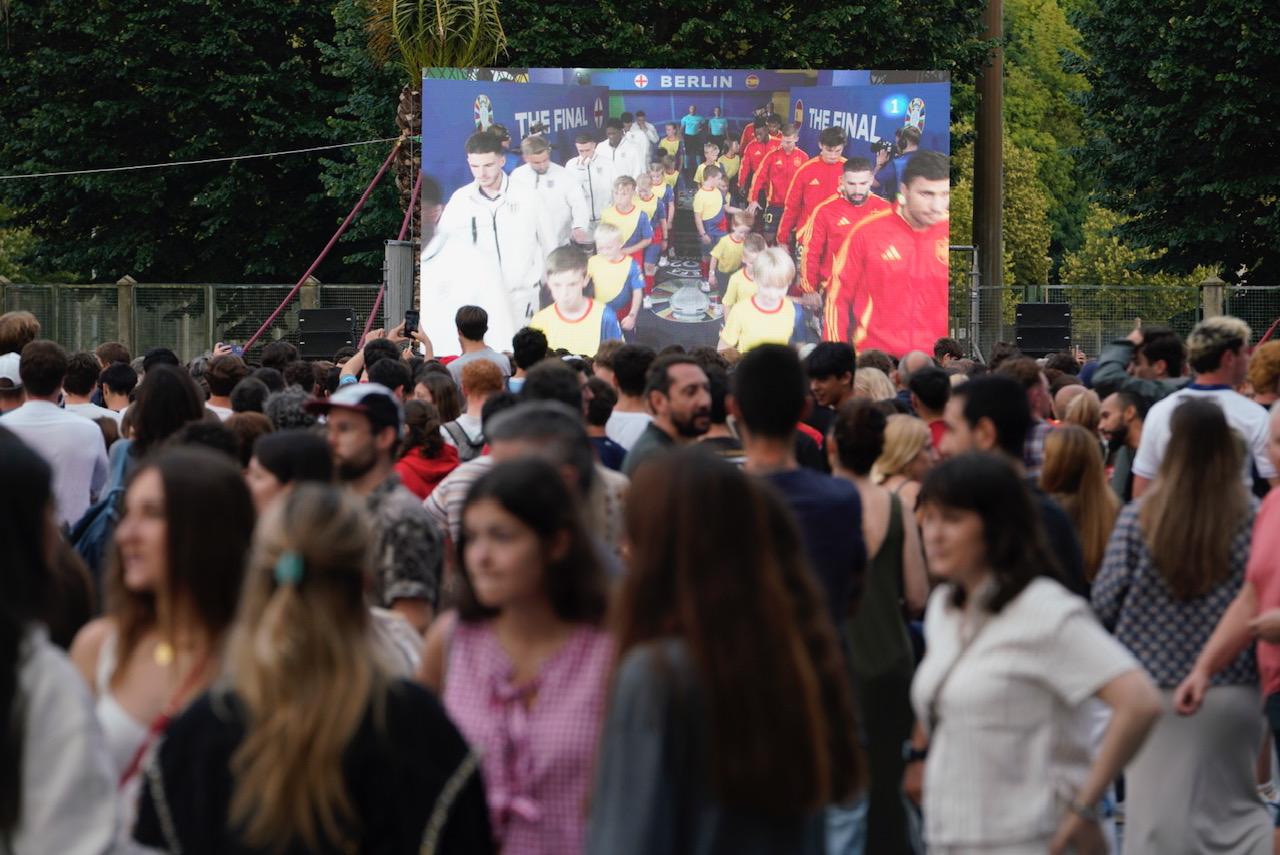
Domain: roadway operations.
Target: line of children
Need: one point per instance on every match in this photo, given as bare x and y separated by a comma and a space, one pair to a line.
628, 218
574, 321
742, 284
728, 251
768, 316
616, 275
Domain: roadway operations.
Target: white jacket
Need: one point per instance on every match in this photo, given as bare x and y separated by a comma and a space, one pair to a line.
504, 227
563, 205
628, 158
595, 177
646, 139
456, 273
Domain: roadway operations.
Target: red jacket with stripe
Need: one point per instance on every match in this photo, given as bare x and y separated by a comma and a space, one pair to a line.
814, 181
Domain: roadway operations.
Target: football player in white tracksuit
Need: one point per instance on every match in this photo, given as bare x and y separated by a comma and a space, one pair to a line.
626, 154
595, 176
564, 214
501, 221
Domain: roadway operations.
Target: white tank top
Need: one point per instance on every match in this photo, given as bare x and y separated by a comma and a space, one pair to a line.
123, 733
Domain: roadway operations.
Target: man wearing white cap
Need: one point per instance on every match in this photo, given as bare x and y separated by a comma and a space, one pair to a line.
364, 421
11, 396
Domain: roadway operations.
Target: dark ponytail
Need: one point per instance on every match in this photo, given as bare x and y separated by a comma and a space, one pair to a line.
421, 430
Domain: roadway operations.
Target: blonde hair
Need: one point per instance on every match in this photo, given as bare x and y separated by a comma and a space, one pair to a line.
904, 438
1073, 473
644, 178
301, 657
1084, 410
744, 218
754, 244
624, 181
873, 384
1214, 336
773, 270
568, 259
606, 232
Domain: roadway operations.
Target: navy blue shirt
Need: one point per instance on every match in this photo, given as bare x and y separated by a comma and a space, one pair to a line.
830, 516
610, 453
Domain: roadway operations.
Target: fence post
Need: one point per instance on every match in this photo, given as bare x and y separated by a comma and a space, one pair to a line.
124, 311
210, 316
1211, 297
309, 298
4, 304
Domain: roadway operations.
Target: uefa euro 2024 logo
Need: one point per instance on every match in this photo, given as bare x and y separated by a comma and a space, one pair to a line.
483, 112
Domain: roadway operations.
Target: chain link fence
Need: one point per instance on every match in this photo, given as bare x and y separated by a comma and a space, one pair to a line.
188, 319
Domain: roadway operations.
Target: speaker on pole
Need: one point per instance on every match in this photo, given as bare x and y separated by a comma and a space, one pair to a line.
1043, 328
322, 332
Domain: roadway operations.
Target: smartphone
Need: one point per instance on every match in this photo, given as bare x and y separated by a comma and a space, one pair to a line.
410, 321
237, 350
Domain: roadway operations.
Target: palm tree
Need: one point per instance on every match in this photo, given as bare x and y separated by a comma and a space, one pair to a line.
441, 37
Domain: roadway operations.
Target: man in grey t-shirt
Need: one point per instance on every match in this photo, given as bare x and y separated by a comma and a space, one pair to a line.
473, 323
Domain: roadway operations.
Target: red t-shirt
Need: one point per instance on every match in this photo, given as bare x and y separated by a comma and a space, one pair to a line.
814, 181
889, 285
1263, 572
937, 430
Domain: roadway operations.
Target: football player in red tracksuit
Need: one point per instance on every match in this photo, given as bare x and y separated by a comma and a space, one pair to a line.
753, 155
831, 222
774, 178
888, 286
816, 179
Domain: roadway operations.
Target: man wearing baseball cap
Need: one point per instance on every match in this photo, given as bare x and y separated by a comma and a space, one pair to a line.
363, 423
10, 383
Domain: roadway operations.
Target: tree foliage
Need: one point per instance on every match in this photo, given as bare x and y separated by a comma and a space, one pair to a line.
1181, 117
128, 82
923, 34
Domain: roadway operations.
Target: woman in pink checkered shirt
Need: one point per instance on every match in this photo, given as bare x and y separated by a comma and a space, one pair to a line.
522, 666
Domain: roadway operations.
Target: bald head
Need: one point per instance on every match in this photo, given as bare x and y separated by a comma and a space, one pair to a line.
911, 362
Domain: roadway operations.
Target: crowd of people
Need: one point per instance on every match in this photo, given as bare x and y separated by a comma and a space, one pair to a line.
573, 249
796, 600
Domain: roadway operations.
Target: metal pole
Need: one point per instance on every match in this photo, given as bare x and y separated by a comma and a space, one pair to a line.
988, 168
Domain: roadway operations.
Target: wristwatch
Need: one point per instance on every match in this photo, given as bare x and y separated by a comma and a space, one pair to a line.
1091, 813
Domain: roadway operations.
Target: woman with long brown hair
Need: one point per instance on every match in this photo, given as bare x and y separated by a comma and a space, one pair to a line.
522, 665
1174, 565
730, 724
1074, 476
173, 584
425, 458
307, 744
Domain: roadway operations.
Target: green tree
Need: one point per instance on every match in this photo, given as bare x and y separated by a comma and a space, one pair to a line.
932, 34
1118, 289
1181, 116
111, 84
1042, 113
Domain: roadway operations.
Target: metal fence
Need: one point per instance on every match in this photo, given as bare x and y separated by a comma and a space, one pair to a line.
1102, 313
189, 319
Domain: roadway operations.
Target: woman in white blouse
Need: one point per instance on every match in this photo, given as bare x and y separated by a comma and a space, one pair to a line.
1011, 658
56, 788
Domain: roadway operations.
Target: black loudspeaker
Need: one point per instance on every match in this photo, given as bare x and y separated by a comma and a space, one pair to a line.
1043, 328
322, 332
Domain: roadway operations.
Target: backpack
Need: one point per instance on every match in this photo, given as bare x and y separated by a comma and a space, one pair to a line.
468, 448
93, 532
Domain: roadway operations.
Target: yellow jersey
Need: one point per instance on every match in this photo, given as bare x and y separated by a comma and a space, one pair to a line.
669, 146
651, 205
749, 326
728, 253
708, 206
581, 336
730, 165
741, 287
634, 226
671, 179
615, 280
